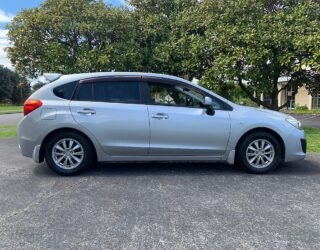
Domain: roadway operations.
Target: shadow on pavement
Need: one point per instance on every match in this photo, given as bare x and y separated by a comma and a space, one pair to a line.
305, 167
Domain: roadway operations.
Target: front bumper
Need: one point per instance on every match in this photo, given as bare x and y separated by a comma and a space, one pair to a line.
295, 146
304, 145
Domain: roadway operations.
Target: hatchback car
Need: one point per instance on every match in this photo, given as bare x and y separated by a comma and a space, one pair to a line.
78, 120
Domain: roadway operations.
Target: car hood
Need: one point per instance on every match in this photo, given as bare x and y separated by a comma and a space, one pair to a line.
270, 113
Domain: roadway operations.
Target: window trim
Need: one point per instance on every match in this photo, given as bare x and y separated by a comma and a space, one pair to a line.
95, 80
148, 80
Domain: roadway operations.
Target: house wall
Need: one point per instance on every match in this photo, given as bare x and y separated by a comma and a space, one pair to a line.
302, 98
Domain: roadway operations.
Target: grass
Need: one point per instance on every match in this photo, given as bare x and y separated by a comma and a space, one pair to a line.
302, 111
313, 139
10, 109
8, 131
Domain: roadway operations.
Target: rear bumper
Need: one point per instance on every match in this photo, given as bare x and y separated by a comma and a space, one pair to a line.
27, 136
27, 147
36, 154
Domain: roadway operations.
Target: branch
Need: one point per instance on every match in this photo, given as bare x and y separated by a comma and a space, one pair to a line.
283, 88
249, 94
283, 105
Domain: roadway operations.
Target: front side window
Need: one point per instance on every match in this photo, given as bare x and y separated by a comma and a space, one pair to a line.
167, 94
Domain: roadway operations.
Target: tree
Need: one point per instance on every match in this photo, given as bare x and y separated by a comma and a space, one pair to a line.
38, 85
7, 82
156, 31
71, 36
250, 43
254, 42
21, 91
12, 86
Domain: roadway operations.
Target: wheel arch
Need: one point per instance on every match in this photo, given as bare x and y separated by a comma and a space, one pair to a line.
266, 130
60, 130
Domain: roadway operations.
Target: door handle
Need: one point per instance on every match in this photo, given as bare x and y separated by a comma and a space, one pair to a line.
86, 111
160, 116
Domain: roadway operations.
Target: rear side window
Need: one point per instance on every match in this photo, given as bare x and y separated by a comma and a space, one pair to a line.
65, 91
85, 92
118, 92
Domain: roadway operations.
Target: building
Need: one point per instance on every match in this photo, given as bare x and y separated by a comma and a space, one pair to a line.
301, 98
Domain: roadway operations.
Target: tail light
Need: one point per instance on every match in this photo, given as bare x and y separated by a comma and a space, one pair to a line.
31, 105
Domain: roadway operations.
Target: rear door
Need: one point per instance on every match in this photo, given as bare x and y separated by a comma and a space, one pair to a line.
111, 109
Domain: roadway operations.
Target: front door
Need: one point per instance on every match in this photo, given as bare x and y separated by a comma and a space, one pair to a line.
179, 124
112, 111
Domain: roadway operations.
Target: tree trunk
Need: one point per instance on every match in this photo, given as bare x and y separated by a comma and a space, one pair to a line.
274, 104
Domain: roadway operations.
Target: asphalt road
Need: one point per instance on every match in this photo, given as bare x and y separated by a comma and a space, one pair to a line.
158, 206
307, 120
312, 121
10, 119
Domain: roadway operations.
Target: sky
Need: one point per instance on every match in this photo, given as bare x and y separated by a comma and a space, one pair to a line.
9, 8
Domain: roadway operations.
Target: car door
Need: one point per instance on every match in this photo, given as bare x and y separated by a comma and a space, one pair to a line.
111, 109
180, 125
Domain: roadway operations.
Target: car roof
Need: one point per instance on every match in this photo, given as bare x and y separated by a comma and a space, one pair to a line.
82, 76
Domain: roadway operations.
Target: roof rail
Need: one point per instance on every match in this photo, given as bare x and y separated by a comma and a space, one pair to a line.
50, 77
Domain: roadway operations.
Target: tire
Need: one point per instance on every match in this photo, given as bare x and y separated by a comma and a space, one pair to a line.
257, 140
77, 154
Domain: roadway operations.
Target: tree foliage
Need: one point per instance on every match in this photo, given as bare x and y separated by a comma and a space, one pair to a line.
12, 86
220, 42
71, 36
254, 42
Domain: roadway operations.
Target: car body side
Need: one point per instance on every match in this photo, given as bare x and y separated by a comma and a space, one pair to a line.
55, 115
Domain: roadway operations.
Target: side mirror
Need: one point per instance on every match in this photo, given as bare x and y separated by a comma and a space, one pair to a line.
208, 105
207, 101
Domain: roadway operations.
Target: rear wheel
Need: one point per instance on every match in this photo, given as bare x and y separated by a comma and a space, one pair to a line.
68, 153
259, 152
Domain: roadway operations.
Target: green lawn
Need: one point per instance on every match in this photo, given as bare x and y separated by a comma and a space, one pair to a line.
302, 111
10, 109
313, 139
8, 131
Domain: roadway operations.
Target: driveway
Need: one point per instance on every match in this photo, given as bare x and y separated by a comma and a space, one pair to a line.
158, 206
309, 120
10, 119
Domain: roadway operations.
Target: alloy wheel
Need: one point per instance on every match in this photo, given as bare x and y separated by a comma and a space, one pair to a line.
260, 153
67, 153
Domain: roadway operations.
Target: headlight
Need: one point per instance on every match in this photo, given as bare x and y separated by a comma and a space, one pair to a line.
294, 122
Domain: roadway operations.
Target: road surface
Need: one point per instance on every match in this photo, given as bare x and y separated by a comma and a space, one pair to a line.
158, 206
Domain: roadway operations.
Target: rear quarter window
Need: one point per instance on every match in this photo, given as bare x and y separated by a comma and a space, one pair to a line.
65, 91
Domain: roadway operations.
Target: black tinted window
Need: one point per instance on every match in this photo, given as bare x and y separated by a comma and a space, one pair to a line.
120, 92
65, 91
85, 92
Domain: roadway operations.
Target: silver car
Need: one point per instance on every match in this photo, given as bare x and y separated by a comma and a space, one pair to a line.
78, 120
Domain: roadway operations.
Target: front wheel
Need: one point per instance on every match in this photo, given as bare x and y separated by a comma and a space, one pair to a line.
259, 153
68, 153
